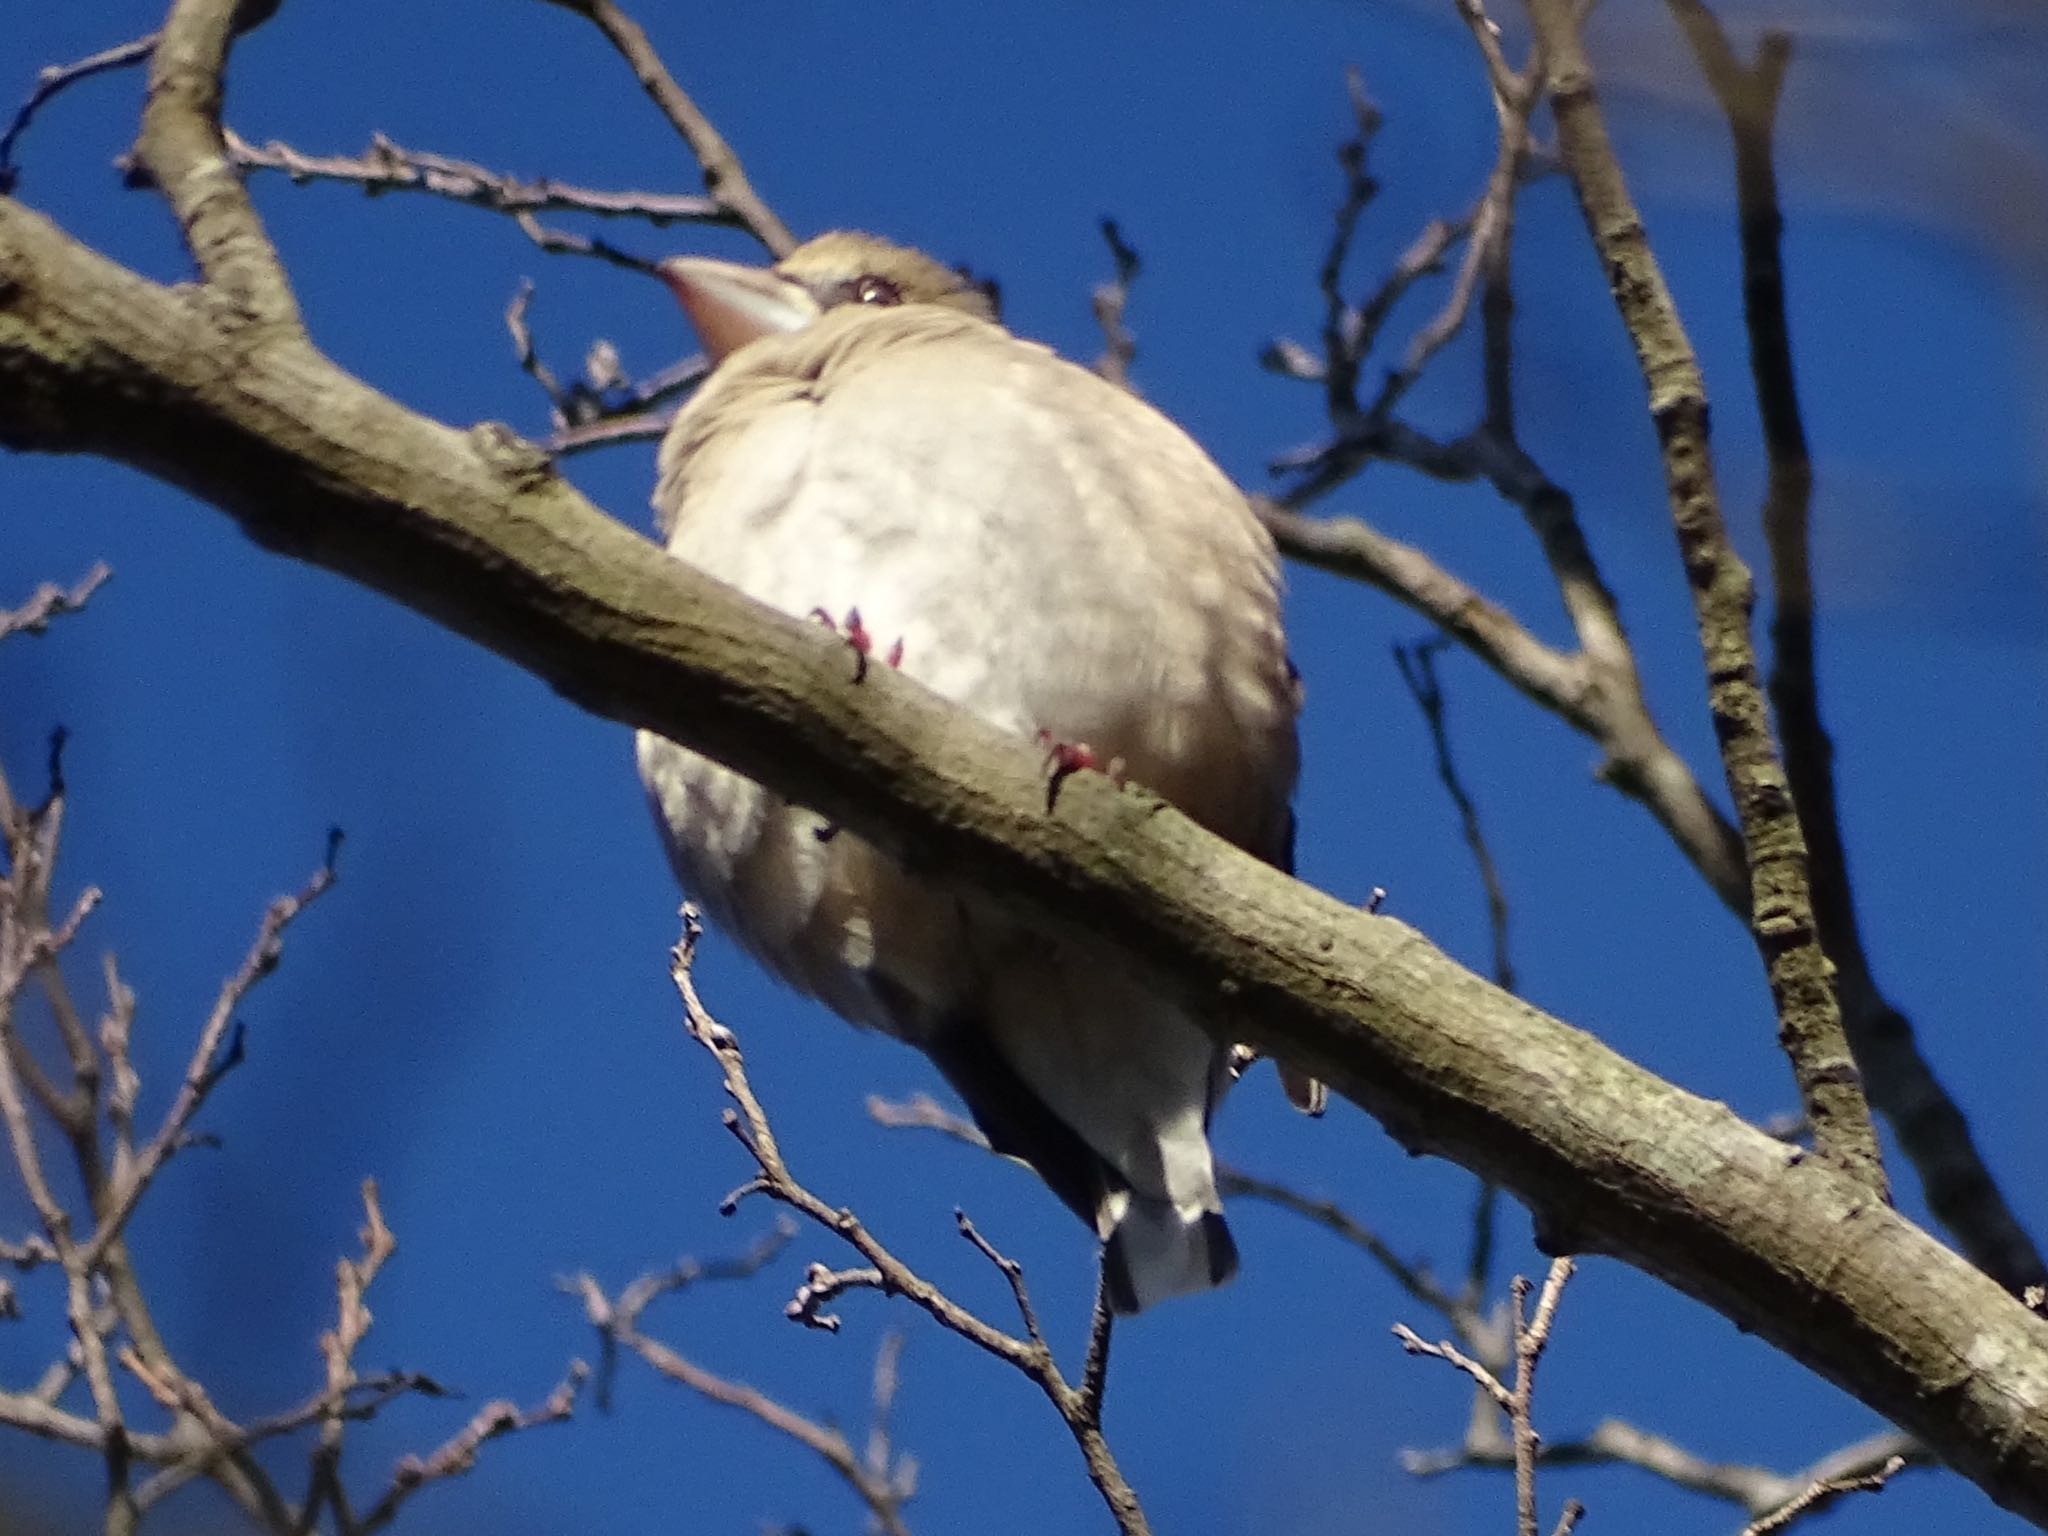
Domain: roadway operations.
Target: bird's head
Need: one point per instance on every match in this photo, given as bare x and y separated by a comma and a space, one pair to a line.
731, 305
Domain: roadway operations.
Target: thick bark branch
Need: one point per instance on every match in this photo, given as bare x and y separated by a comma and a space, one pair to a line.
476, 530
1901, 1083
1781, 905
182, 150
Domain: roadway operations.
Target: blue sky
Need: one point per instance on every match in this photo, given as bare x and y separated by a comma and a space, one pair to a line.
479, 1015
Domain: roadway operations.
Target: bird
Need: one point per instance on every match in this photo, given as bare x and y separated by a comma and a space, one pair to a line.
873, 449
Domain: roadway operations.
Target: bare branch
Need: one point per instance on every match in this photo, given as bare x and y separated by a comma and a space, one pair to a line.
1598, 690
1781, 919
182, 152
1492, 221
882, 1488
898, 1472
724, 178
1119, 346
1078, 1407
352, 1279
49, 600
1347, 331
1931, 1128
387, 166
1414, 1279
1486, 33
1757, 1491
55, 78
1820, 1495
1531, 1337
563, 242
26, 942
217, 1053
602, 407
1530, 1342
1451, 1355
923, 1112
459, 1453
1012, 1272
1417, 665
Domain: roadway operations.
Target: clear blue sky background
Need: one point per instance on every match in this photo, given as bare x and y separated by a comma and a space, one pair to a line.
479, 1016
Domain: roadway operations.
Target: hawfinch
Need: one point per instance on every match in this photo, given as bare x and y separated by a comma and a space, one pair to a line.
1049, 552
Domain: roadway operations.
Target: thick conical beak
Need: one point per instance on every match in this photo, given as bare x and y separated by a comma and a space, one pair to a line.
731, 305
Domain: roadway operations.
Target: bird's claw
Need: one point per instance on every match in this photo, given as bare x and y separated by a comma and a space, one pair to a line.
1067, 758
857, 636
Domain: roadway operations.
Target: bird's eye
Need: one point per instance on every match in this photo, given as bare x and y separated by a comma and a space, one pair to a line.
871, 290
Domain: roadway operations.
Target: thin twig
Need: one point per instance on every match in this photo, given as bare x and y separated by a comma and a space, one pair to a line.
603, 406
923, 1112
50, 81
1414, 1279
1347, 331
1820, 1495
217, 1053
1531, 1337
724, 178
563, 242
458, 1454
1492, 220
880, 1488
1119, 346
387, 166
352, 1279
1417, 665
1077, 1406
50, 600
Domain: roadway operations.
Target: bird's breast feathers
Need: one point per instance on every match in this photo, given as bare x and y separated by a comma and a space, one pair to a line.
1050, 552
1053, 553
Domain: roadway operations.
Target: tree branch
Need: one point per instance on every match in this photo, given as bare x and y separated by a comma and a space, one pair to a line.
882, 1489
389, 167
724, 178
1597, 690
183, 152
1079, 1407
1531, 1335
1931, 1129
50, 601
1417, 665
217, 1052
1119, 346
476, 530
1781, 914
55, 78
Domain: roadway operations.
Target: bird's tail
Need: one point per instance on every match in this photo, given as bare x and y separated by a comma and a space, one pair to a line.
1154, 1245
1153, 1251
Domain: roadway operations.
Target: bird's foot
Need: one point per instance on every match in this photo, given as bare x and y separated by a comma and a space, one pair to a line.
1067, 758
857, 636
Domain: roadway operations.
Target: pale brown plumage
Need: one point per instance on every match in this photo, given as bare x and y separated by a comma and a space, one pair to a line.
1059, 558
